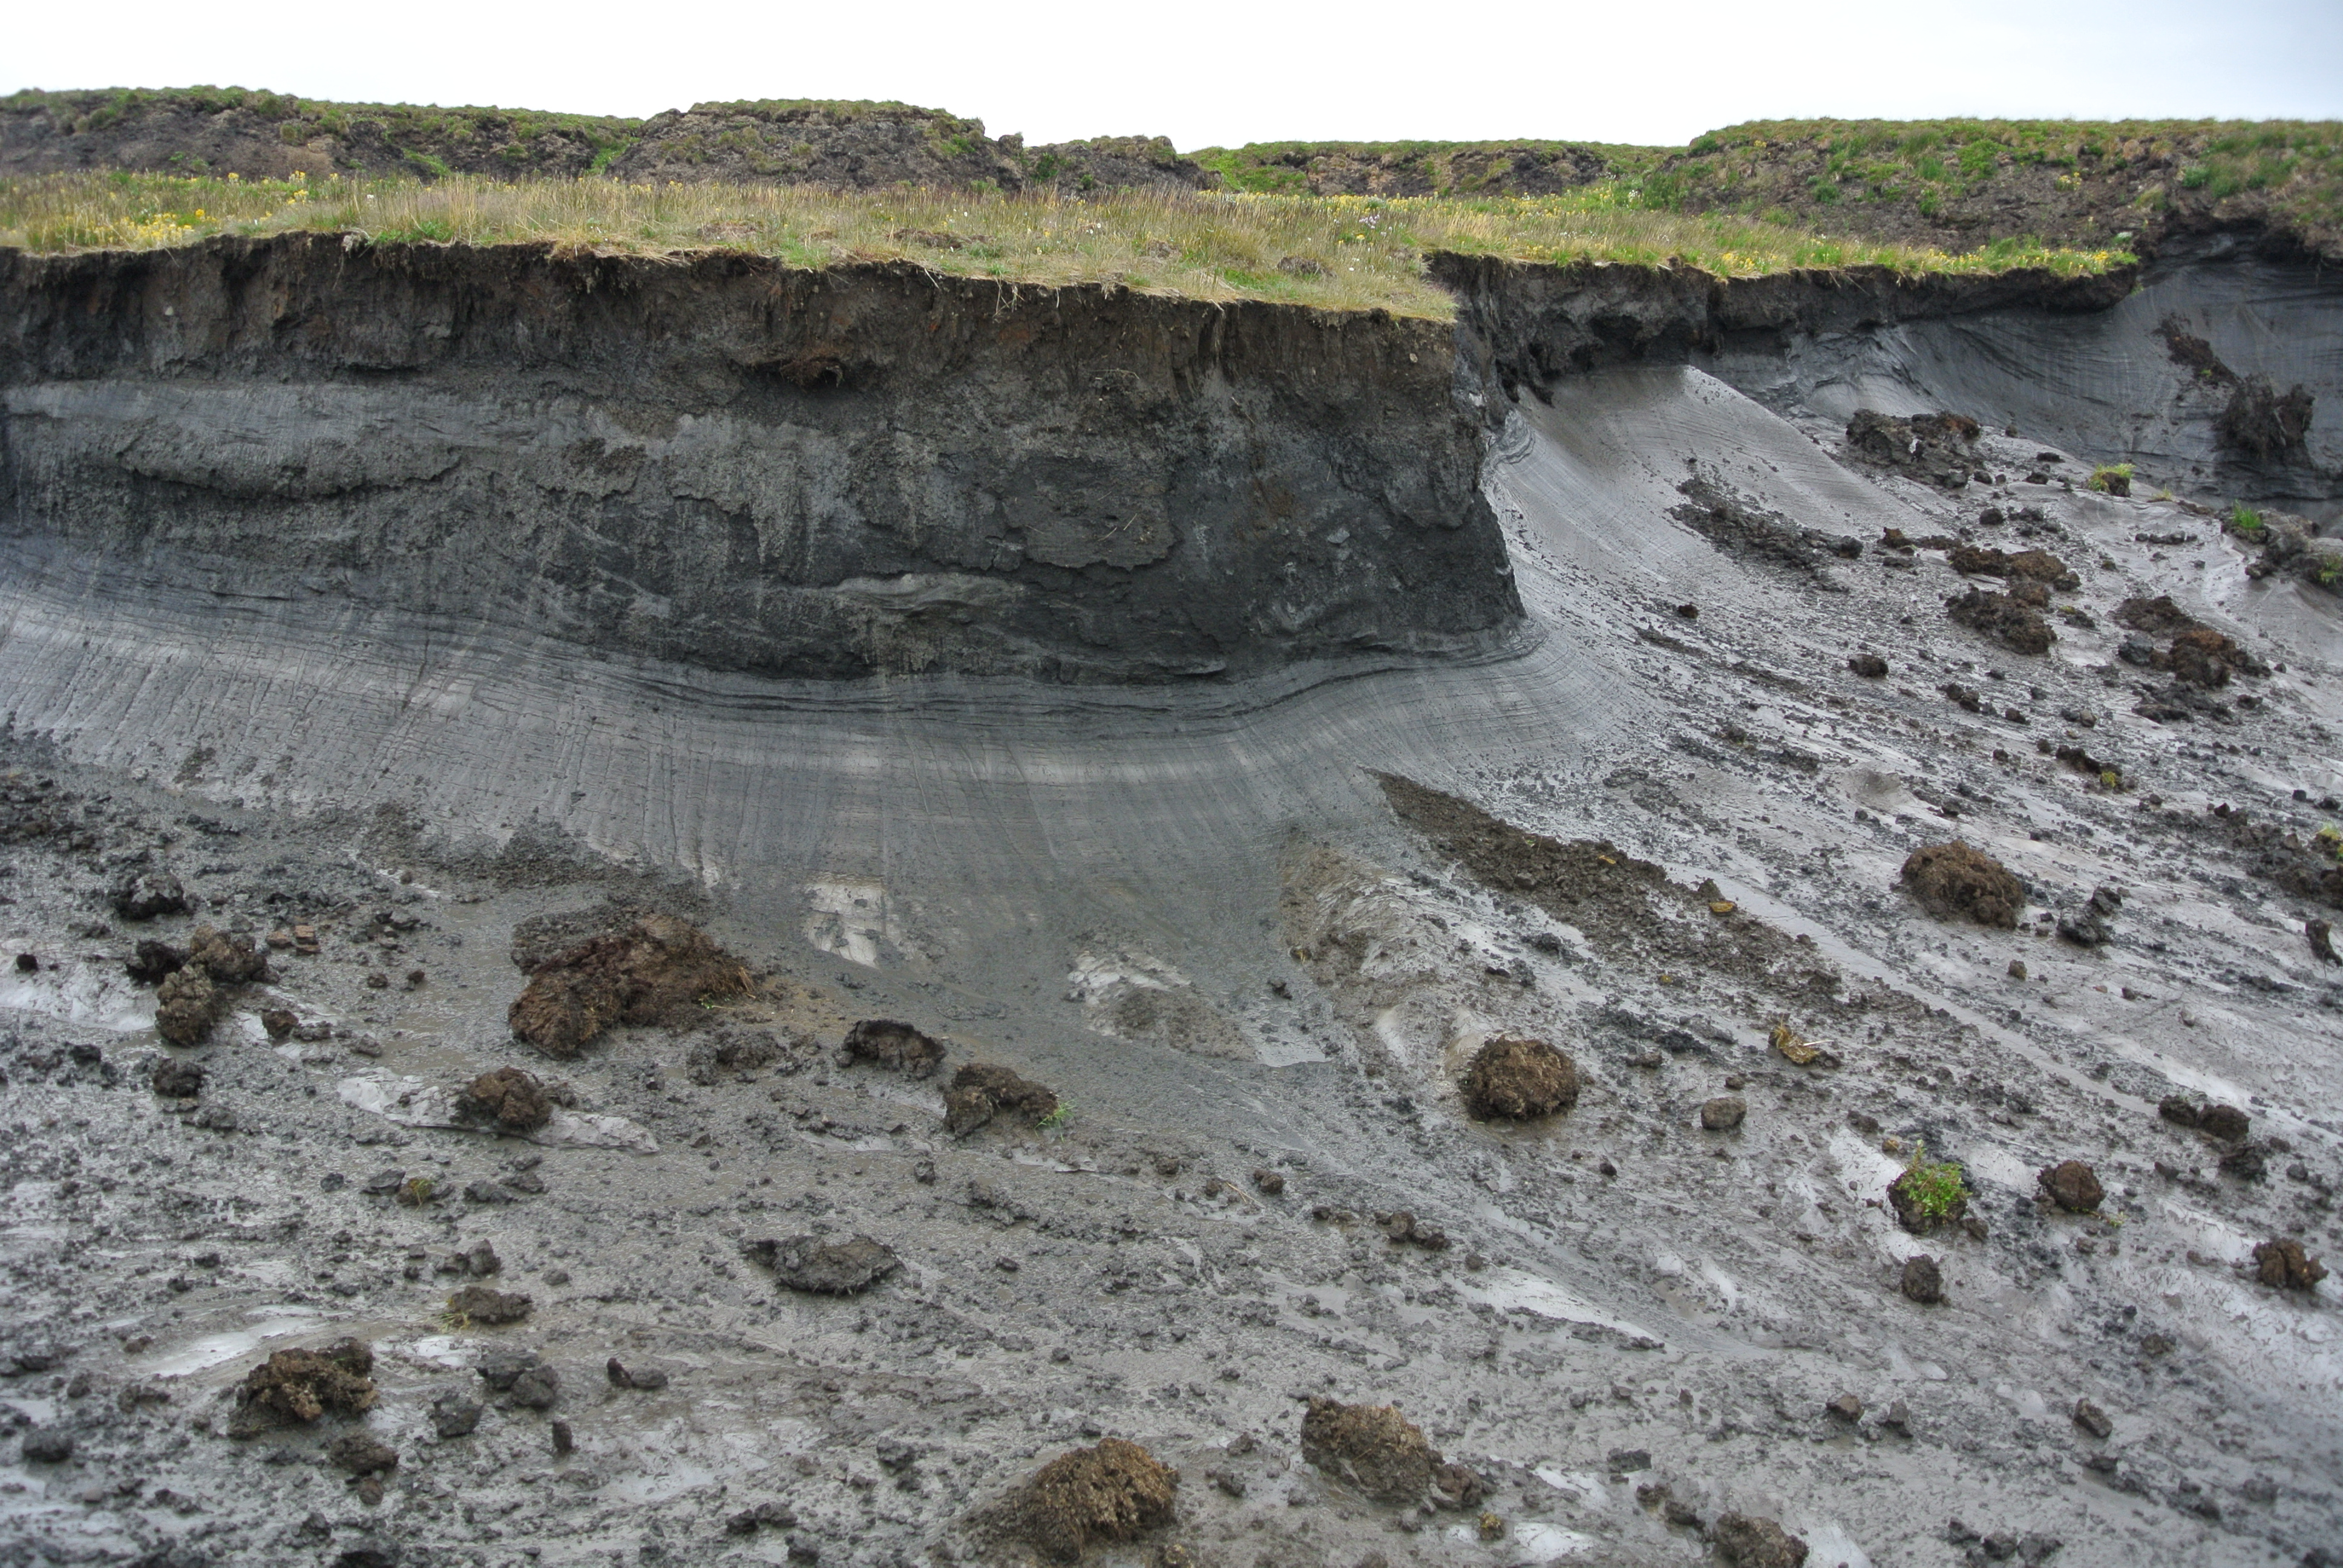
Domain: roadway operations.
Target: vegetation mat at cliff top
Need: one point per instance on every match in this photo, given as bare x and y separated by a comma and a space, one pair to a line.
1347, 253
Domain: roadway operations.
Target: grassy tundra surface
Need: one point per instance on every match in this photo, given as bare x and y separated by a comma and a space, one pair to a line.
1338, 252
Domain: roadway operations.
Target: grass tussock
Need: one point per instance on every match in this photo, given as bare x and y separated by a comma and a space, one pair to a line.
1343, 253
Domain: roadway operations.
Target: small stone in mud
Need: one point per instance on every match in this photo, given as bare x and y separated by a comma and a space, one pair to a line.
1403, 1229
1951, 879
1845, 1407
480, 1305
2246, 1162
562, 1440
780, 1515
176, 1080
2283, 1265
2072, 1185
278, 1022
537, 1388
453, 1415
1092, 1495
361, 1454
1924, 1280
1269, 1182
886, 1043
620, 1376
1724, 1113
1516, 1079
2087, 926
1747, 1541
146, 895
2017, 968
2092, 1418
825, 1268
502, 1366
980, 1092
2321, 936
1869, 665
48, 1445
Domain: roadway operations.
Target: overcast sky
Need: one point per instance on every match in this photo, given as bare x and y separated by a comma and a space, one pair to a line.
1617, 71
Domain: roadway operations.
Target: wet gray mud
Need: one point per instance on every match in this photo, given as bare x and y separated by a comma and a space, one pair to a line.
1250, 930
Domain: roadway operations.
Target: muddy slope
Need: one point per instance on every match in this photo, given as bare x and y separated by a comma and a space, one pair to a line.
749, 467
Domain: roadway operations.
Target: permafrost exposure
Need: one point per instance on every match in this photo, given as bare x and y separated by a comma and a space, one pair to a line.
694, 910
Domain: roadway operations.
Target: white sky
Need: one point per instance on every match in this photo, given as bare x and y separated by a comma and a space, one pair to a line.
1614, 71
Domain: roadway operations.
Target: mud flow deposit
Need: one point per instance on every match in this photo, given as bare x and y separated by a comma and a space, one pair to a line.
682, 910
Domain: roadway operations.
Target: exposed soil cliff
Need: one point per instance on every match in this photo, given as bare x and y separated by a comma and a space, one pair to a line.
723, 460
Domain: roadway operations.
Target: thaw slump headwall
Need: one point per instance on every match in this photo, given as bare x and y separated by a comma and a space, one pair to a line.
2130, 365
724, 461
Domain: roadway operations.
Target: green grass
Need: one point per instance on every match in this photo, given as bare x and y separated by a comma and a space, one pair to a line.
1346, 253
2295, 166
1935, 1189
2111, 479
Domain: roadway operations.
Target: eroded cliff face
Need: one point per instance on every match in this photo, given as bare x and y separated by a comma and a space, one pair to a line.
723, 460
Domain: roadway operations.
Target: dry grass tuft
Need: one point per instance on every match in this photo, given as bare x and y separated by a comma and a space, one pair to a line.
1340, 253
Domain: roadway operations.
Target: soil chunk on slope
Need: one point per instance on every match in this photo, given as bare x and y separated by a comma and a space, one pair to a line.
980, 1092
825, 1268
1951, 880
513, 1100
886, 1043
299, 1386
1092, 1495
1383, 1453
652, 972
1514, 1079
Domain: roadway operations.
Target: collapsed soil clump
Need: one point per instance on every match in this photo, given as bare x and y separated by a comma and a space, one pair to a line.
2025, 565
2283, 1265
883, 1042
825, 1268
654, 971
1090, 1496
1953, 881
298, 1386
1937, 450
1747, 1541
740, 1052
479, 1305
1731, 522
2003, 618
2072, 1185
1383, 1454
515, 1101
1514, 1079
980, 1092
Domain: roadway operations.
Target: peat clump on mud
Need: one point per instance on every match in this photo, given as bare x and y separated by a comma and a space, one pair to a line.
512, 1099
980, 1092
1511, 1079
1953, 881
2013, 619
656, 971
298, 1386
194, 994
1091, 1496
886, 1043
1383, 1454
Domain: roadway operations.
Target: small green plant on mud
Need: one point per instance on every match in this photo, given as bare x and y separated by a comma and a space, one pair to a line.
2244, 519
1059, 1117
1935, 1188
2111, 479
